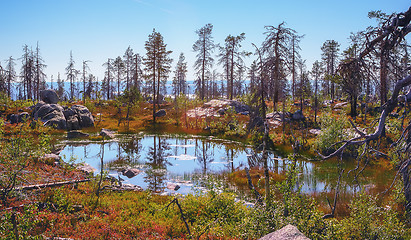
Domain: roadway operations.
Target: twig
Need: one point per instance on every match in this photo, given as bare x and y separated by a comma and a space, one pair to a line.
175, 200
251, 186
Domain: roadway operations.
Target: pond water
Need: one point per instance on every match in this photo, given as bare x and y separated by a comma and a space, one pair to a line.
185, 160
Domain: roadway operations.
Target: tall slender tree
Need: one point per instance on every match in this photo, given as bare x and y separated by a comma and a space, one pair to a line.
295, 57
118, 67
179, 81
316, 71
128, 60
234, 59
3, 85
40, 76
276, 48
137, 72
204, 47
157, 65
330, 49
71, 73
108, 78
10, 74
27, 72
60, 87
84, 77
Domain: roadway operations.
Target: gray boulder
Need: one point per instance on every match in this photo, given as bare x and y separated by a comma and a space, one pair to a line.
50, 115
84, 116
106, 133
76, 134
239, 107
56, 120
23, 116
74, 118
72, 123
298, 116
49, 96
132, 172
41, 110
288, 232
173, 186
160, 113
85, 167
51, 156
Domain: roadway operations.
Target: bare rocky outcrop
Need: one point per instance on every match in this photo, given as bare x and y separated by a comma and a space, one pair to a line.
160, 113
76, 134
106, 133
131, 172
74, 118
49, 96
288, 232
218, 107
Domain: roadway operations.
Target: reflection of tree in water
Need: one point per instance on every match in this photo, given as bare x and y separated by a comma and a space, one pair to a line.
231, 152
203, 154
157, 164
132, 148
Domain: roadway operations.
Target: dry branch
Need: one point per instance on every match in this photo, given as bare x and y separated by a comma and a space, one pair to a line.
52, 184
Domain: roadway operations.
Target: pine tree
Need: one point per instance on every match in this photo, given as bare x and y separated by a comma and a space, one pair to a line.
179, 81
330, 51
157, 65
118, 67
204, 46
108, 77
84, 78
71, 74
10, 74
40, 76
60, 87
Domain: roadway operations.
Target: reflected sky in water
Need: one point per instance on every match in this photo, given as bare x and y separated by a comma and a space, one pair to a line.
165, 159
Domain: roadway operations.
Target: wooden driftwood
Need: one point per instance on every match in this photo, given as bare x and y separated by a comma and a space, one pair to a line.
52, 184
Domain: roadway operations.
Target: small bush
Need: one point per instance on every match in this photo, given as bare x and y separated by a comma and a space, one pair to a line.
332, 132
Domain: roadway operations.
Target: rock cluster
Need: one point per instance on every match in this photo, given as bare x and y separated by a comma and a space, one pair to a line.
218, 107
288, 232
52, 114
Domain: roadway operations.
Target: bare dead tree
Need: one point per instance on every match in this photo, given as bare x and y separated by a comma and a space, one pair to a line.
392, 35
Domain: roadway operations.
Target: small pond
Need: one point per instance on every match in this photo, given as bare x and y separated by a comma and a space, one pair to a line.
185, 160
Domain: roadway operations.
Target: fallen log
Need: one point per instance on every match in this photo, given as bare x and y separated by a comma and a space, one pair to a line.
44, 185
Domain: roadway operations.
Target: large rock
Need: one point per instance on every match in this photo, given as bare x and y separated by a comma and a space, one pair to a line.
107, 133
298, 116
218, 107
18, 118
288, 232
132, 172
85, 167
51, 115
72, 123
74, 118
160, 113
41, 110
49, 96
84, 116
173, 186
76, 134
340, 105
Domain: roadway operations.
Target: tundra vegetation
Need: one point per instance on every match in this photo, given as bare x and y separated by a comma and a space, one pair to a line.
352, 106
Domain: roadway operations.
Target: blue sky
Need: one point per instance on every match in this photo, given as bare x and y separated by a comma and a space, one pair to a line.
95, 30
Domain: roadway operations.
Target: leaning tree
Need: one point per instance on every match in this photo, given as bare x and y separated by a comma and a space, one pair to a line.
392, 35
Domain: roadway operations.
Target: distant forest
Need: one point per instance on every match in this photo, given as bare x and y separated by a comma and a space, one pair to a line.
277, 73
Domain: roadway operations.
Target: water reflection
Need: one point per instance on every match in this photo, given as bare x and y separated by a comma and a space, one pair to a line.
163, 159
156, 164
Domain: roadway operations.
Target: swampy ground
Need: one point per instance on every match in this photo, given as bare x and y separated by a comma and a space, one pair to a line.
98, 209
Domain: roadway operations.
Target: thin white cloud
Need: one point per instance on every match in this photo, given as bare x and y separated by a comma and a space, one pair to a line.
145, 3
